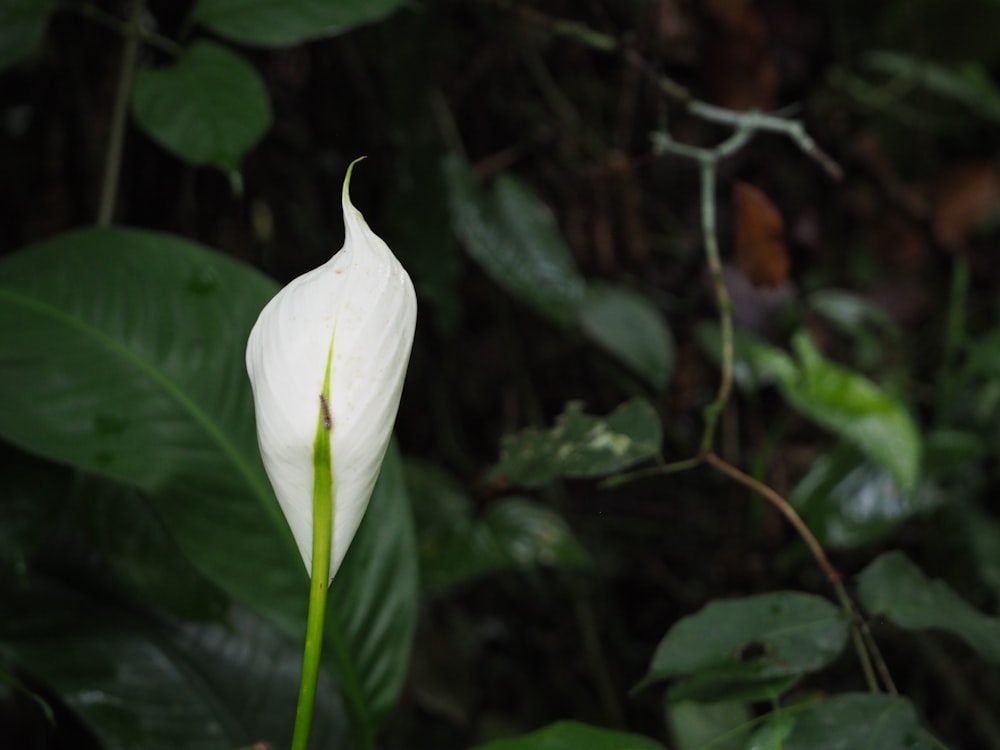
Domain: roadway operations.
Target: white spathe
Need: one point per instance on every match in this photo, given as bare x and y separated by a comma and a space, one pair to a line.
358, 308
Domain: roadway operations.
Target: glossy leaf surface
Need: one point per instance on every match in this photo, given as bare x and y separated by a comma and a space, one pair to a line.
513, 237
630, 328
139, 681
210, 106
581, 445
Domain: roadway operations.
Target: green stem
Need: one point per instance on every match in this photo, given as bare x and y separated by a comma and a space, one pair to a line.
723, 302
323, 508
116, 141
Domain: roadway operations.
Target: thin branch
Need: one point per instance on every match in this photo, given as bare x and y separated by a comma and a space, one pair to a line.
116, 139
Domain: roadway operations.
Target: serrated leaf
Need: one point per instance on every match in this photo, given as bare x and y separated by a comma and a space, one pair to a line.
629, 327
893, 587
139, 681
123, 355
859, 721
511, 234
209, 107
283, 23
456, 546
571, 735
22, 26
854, 408
581, 445
730, 648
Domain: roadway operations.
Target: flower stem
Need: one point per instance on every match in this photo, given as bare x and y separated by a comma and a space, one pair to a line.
323, 504
116, 141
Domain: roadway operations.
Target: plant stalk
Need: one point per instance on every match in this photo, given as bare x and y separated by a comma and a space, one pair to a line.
116, 139
319, 586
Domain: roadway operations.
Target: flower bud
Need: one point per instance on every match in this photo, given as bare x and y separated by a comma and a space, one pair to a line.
329, 352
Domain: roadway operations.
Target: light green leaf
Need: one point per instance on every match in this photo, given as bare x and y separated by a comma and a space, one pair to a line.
859, 721
22, 26
138, 681
283, 23
571, 735
511, 234
773, 734
581, 445
730, 649
854, 408
457, 547
209, 107
893, 587
696, 725
630, 328
124, 352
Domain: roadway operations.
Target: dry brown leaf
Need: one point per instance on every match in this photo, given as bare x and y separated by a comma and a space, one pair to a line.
759, 236
961, 199
741, 70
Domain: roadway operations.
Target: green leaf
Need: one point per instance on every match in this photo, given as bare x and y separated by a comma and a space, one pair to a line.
571, 735
581, 445
22, 26
849, 501
457, 547
372, 609
969, 84
210, 106
139, 681
511, 234
859, 721
143, 556
773, 734
756, 364
630, 328
854, 408
697, 725
983, 534
124, 352
730, 649
893, 587
283, 23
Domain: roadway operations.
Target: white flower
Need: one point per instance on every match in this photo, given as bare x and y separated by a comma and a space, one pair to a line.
356, 315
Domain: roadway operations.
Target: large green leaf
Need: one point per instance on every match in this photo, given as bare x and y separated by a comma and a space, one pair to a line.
571, 735
123, 355
372, 605
281, 23
854, 408
732, 648
511, 234
893, 587
849, 501
22, 25
457, 547
629, 327
210, 106
581, 445
144, 683
695, 725
859, 721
